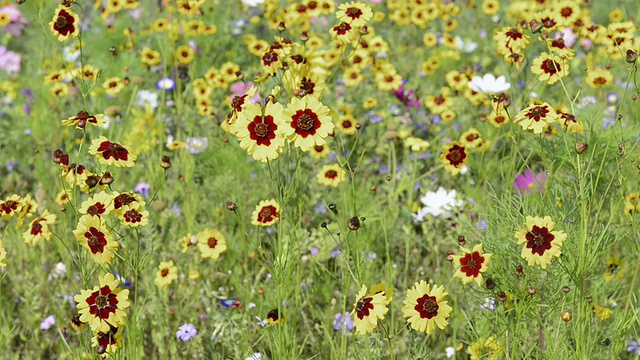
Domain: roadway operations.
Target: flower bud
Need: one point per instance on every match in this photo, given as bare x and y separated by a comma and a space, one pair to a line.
566, 316
354, 223
107, 179
166, 162
632, 56
461, 240
535, 26
581, 147
231, 206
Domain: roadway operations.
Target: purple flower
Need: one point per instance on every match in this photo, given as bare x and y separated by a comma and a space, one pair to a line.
166, 84
186, 332
196, 145
48, 322
634, 346
408, 99
489, 304
528, 183
343, 322
228, 303
9, 61
142, 189
176, 209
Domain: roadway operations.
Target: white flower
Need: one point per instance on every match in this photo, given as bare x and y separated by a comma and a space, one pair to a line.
58, 271
252, 3
466, 45
450, 351
437, 203
489, 84
71, 53
255, 356
146, 96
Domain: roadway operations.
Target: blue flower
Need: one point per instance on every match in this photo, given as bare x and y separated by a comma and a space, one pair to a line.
166, 84
634, 346
142, 189
186, 332
343, 322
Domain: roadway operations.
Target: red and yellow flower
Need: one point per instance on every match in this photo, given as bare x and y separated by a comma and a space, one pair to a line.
100, 204
454, 156
261, 131
540, 242
64, 23
355, 13
537, 117
331, 175
83, 118
211, 243
103, 306
425, 307
133, 215
307, 122
111, 153
39, 229
549, 68
266, 213
93, 234
367, 310
471, 264
167, 273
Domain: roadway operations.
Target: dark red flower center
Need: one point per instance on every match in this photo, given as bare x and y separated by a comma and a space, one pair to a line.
353, 12
262, 129
539, 240
96, 209
64, 23
9, 206
122, 200
305, 122
102, 303
342, 28
132, 216
96, 240
164, 272
36, 228
267, 214
364, 307
269, 58
471, 264
331, 174
113, 150
537, 113
550, 67
456, 155
212, 242
427, 306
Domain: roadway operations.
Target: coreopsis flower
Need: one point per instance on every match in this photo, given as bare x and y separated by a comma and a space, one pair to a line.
100, 204
10, 206
416, 144
497, 120
3, 255
28, 207
83, 118
440, 103
382, 288
454, 156
490, 7
110, 341
346, 124
93, 234
111, 153
319, 152
558, 47
570, 123
167, 273
549, 68
510, 40
39, 229
307, 122
238, 103
471, 139
343, 33
615, 269
185, 54
331, 175
631, 203
541, 243
211, 243
266, 213
124, 199
64, 23
274, 317
355, 13
367, 310
133, 215
471, 264
425, 307
104, 305
113, 86
489, 349
261, 131
150, 57
537, 117
597, 78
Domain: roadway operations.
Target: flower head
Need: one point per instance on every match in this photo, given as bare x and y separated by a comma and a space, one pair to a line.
260, 130
167, 273
549, 68
529, 183
454, 156
266, 213
355, 13
367, 310
186, 332
425, 307
93, 234
471, 264
307, 122
104, 305
537, 117
64, 23
111, 153
39, 229
541, 242
83, 118
211, 243
331, 175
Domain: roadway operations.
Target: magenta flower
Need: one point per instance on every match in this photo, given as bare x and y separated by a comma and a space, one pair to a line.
528, 183
408, 98
9, 61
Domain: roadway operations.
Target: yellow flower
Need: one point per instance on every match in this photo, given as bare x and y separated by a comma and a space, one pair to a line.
490, 7
3, 255
266, 213
103, 306
185, 54
541, 242
150, 57
167, 273
454, 156
113, 86
111, 340
261, 131
93, 234
471, 139
471, 265
307, 122
5, 19
425, 308
100, 204
603, 313
64, 23
39, 229
367, 310
370, 103
416, 144
615, 269
536, 117
549, 68
111, 153
331, 175
211, 243
440, 103
10, 206
83, 118
355, 13
133, 215
597, 78
480, 348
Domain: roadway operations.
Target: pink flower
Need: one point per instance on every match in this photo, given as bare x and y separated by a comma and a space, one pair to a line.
528, 183
17, 21
9, 61
240, 88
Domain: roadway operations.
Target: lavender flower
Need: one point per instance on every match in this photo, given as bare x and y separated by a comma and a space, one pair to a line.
634, 346
142, 189
196, 145
343, 322
48, 322
9, 61
186, 332
166, 84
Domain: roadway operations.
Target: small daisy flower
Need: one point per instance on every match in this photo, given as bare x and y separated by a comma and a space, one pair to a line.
307, 122
113, 86
167, 273
425, 307
211, 243
541, 242
489, 84
343, 32
100, 204
355, 13
490, 349
93, 234
261, 134
454, 156
133, 215
64, 23
83, 118
367, 310
537, 117
266, 213
111, 153
124, 199
471, 264
549, 68
39, 229
331, 175
597, 78
104, 305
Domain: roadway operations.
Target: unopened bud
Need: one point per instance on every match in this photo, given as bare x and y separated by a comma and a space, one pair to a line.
502, 297
113, 51
231, 206
461, 240
354, 223
304, 36
531, 291
373, 187
632, 56
107, 179
490, 284
166, 162
566, 289
449, 255
535, 26
566, 316
281, 26
57, 156
519, 270
581, 147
